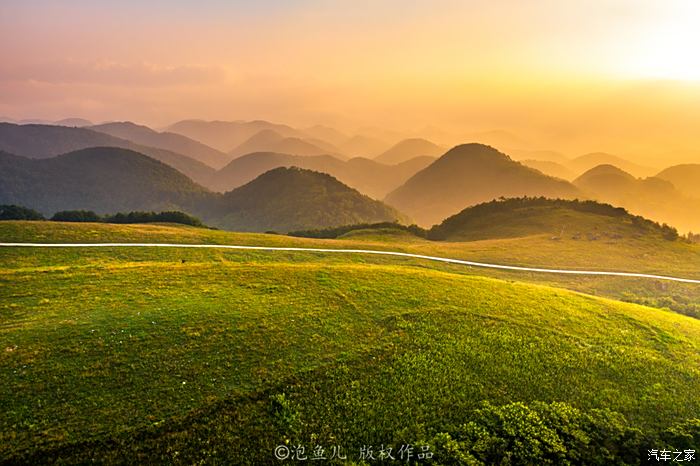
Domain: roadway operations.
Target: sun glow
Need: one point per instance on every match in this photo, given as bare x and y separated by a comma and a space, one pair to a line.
671, 50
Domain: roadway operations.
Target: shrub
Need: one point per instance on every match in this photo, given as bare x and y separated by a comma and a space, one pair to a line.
15, 212
151, 217
332, 233
542, 433
76, 216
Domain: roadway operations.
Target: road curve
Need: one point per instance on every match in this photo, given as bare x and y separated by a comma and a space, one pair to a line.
358, 251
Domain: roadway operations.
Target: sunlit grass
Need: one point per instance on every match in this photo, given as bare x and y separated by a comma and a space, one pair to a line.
146, 355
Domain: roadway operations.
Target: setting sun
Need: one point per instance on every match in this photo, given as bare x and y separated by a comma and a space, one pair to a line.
668, 47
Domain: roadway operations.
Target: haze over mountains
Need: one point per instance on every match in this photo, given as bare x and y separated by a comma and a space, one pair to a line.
685, 177
414, 175
652, 197
44, 141
269, 140
550, 168
408, 149
227, 135
470, 174
372, 178
327, 134
368, 176
588, 161
363, 146
107, 180
170, 141
77, 122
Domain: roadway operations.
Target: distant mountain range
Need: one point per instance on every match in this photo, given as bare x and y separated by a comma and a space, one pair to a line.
368, 176
363, 146
470, 174
110, 179
326, 133
502, 139
77, 122
540, 155
178, 143
409, 149
557, 164
651, 197
426, 189
685, 177
43, 141
554, 169
227, 135
105, 180
268, 140
587, 161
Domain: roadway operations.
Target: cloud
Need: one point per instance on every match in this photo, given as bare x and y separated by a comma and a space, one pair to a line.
115, 74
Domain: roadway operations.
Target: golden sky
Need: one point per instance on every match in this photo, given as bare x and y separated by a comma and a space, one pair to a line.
576, 76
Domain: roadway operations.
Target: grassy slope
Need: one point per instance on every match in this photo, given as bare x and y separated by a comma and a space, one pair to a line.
555, 221
631, 252
365, 352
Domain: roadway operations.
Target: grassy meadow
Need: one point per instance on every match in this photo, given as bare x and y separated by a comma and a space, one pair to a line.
204, 356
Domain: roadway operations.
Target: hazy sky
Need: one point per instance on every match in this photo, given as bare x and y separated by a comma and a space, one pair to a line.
614, 75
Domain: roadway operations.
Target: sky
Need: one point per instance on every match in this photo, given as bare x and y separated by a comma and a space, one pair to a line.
619, 76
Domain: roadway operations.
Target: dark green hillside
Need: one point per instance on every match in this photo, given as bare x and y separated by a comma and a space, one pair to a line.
287, 199
513, 218
470, 174
43, 141
169, 141
102, 179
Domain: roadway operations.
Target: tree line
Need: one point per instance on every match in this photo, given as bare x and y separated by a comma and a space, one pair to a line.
14, 212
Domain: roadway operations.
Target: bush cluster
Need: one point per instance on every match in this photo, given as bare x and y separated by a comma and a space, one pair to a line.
332, 233
13, 212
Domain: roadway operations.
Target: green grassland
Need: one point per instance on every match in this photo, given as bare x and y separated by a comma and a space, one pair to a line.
606, 246
131, 355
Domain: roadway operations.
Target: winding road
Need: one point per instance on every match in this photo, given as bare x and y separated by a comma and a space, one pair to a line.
358, 251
